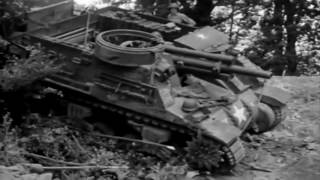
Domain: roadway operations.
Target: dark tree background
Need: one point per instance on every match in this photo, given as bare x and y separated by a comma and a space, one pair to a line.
12, 17
285, 25
282, 24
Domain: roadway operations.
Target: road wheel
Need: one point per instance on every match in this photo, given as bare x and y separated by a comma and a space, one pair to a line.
264, 120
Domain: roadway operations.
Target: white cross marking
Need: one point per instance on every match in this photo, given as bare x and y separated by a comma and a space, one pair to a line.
201, 36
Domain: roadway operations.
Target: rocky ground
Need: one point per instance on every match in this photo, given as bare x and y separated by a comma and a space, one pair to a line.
291, 151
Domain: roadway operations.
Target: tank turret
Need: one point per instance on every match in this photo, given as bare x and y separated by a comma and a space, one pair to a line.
117, 47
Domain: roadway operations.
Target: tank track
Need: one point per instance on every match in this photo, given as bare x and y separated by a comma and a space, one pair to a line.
280, 115
232, 153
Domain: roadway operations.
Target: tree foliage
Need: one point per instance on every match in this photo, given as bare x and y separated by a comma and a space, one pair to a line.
25, 71
283, 25
276, 32
12, 17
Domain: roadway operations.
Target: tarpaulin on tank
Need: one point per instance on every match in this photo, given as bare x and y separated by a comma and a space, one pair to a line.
206, 39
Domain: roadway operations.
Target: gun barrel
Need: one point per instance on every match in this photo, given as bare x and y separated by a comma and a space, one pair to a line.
243, 71
194, 53
208, 66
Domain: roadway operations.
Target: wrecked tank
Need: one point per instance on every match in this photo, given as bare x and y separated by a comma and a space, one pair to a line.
130, 73
167, 94
199, 42
194, 41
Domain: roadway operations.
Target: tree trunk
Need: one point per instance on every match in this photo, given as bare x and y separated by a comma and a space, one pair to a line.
292, 35
201, 13
278, 22
147, 5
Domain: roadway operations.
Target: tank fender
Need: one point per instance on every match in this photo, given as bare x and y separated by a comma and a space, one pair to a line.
222, 132
273, 96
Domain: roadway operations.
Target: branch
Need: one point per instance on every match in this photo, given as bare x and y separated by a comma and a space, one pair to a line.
235, 12
172, 148
52, 160
40, 168
255, 168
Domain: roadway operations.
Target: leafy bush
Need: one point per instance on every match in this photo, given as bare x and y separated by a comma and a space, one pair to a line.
25, 71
